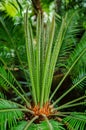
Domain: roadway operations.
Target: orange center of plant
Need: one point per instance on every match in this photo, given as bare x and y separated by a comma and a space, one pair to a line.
45, 110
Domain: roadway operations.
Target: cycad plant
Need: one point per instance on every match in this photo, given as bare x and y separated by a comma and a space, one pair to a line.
50, 46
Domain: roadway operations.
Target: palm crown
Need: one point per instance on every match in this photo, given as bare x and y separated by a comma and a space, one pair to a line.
50, 47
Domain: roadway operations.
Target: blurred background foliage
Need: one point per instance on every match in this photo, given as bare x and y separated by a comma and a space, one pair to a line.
16, 8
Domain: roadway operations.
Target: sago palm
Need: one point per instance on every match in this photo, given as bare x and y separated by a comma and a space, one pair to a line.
48, 47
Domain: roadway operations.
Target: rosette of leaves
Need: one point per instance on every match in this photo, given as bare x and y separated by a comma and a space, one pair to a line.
50, 45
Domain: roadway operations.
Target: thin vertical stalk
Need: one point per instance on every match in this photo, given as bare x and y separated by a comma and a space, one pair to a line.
54, 57
46, 63
38, 45
29, 56
42, 47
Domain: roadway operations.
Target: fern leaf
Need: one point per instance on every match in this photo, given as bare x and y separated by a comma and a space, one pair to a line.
75, 57
10, 7
6, 76
7, 80
56, 125
42, 126
9, 114
80, 49
75, 121
81, 73
2, 95
20, 125
70, 39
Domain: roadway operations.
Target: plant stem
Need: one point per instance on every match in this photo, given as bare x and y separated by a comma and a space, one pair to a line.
47, 121
68, 106
30, 122
37, 6
29, 56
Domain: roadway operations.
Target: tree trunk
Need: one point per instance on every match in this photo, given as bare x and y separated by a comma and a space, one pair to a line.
37, 6
58, 6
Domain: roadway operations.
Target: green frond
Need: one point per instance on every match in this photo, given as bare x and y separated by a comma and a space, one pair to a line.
38, 56
20, 125
79, 51
4, 76
70, 40
9, 114
79, 70
10, 36
12, 45
7, 80
81, 73
74, 58
55, 125
11, 7
30, 55
43, 125
80, 81
73, 103
2, 95
47, 61
4, 27
54, 56
75, 121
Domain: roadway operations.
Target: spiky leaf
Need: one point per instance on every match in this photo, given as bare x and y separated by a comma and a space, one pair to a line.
9, 114
75, 121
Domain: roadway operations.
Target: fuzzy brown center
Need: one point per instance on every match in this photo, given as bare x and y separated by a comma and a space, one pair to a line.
45, 110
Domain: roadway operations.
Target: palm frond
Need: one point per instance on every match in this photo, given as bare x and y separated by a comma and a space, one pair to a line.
20, 125
79, 70
75, 57
9, 114
75, 121
6, 76
43, 125
7, 80
76, 102
2, 95
80, 81
47, 59
55, 125
14, 44
10, 36
80, 49
6, 48
54, 56
11, 7
81, 73
70, 38
30, 55
4, 27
